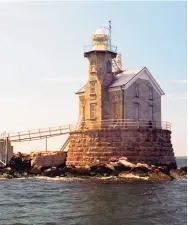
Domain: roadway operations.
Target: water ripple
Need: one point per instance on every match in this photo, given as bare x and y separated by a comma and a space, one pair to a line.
48, 202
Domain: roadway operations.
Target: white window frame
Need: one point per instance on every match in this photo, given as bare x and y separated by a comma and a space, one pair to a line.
92, 111
136, 113
150, 93
92, 87
150, 112
136, 90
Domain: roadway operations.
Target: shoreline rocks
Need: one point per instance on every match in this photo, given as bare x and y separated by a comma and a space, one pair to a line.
20, 167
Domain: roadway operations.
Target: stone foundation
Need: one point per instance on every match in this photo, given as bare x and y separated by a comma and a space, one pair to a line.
151, 146
47, 158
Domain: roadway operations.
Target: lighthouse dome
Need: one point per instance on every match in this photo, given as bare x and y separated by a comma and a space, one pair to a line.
100, 31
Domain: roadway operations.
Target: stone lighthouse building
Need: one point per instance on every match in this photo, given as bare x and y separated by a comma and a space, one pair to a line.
119, 111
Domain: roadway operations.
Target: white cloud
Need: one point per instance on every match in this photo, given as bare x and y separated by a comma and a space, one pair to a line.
179, 81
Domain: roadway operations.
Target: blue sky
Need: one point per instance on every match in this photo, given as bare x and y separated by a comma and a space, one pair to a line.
42, 62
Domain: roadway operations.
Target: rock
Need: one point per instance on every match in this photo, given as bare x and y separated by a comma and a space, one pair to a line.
20, 162
70, 169
26, 164
114, 164
101, 168
153, 167
16, 162
17, 175
184, 169
51, 172
36, 170
113, 159
156, 175
83, 171
62, 165
125, 164
164, 169
123, 158
177, 172
109, 166
6, 170
5, 176
132, 176
172, 166
141, 168
67, 174
144, 165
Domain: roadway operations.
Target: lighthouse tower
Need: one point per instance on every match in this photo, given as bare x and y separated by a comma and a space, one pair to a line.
94, 104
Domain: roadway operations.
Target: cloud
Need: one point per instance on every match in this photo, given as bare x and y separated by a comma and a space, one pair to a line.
179, 81
170, 96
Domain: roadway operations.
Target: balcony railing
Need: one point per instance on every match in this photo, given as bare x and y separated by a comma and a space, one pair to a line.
112, 48
124, 124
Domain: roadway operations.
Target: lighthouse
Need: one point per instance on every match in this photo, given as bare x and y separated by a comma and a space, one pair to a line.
119, 111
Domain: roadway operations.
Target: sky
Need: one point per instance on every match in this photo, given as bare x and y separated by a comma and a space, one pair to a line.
42, 63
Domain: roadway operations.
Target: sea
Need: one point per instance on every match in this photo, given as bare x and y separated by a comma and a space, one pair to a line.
100, 202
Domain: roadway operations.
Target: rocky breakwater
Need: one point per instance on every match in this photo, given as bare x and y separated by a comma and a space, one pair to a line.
115, 169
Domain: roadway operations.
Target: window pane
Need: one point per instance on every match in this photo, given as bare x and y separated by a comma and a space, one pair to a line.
136, 111
92, 111
136, 90
116, 111
150, 113
92, 87
150, 93
108, 67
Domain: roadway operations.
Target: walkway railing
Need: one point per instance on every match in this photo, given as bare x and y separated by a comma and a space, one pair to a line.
37, 134
119, 123
32, 135
112, 48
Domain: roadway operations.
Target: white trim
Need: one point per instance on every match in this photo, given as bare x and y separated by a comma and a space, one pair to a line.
114, 89
145, 74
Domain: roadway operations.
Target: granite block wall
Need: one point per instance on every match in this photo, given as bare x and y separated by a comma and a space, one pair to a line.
152, 146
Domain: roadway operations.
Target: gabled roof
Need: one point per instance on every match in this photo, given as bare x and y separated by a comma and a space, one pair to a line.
129, 76
123, 78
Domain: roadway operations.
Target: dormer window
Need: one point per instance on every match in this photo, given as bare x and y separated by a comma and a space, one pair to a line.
137, 90
150, 93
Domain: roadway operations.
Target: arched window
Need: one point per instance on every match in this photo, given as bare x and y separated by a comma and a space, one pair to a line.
108, 67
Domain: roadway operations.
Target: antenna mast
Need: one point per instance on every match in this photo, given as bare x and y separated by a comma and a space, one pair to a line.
110, 33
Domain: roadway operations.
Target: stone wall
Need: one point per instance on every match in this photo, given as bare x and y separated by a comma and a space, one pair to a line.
143, 101
152, 146
53, 158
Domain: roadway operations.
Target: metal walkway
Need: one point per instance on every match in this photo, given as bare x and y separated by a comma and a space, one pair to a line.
38, 134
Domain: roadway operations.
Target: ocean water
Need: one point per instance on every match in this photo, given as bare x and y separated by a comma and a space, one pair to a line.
35, 201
